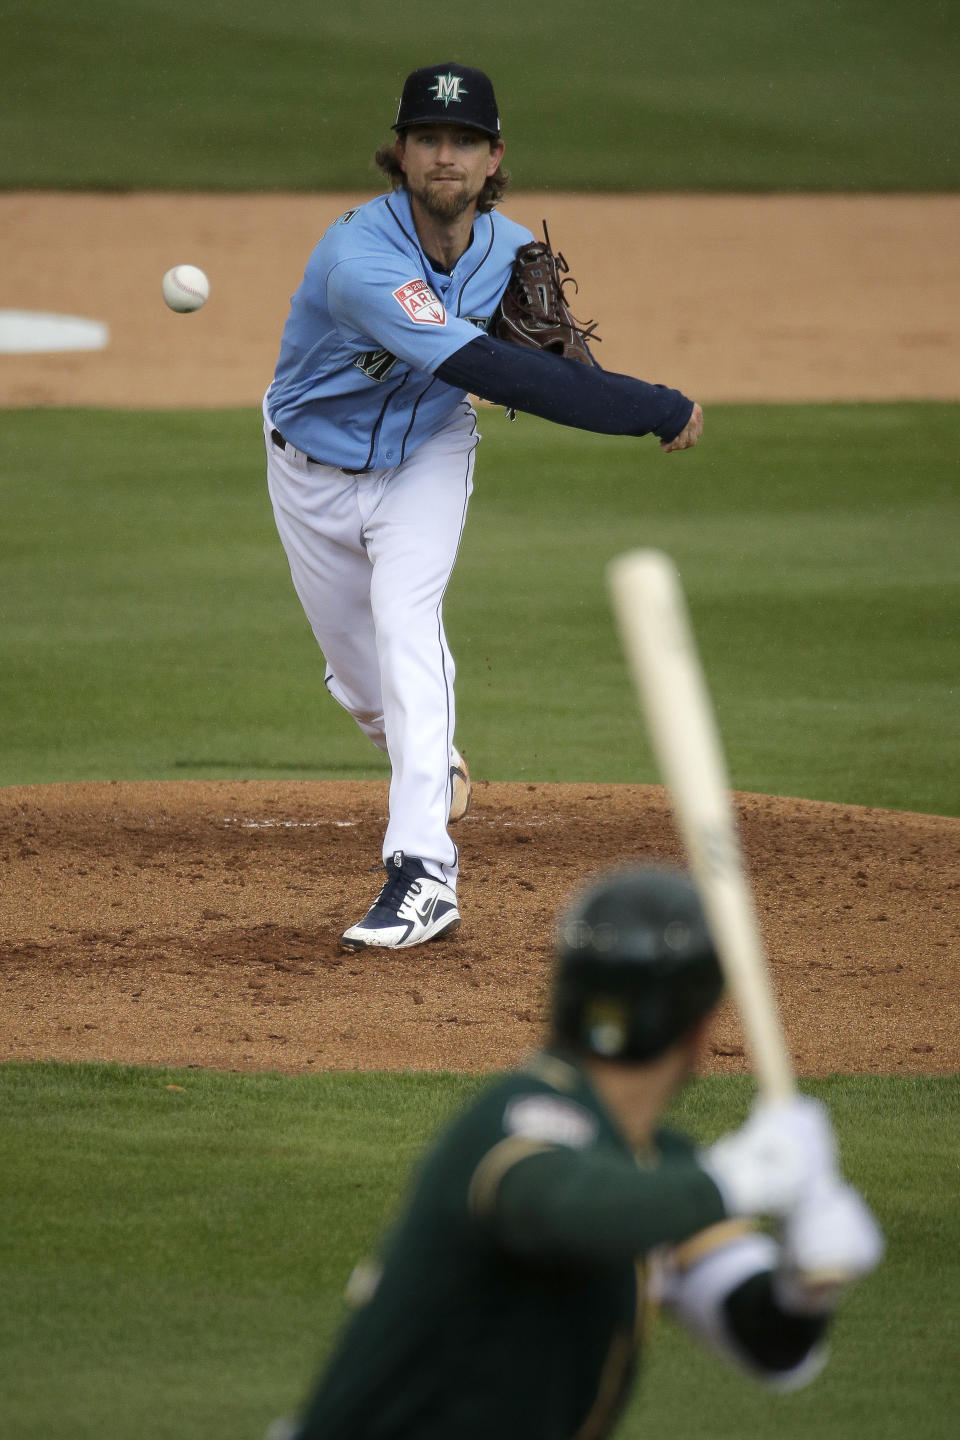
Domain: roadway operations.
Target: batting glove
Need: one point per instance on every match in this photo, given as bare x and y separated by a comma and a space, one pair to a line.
830, 1240
785, 1149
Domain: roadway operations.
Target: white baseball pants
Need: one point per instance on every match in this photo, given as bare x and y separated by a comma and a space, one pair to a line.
371, 556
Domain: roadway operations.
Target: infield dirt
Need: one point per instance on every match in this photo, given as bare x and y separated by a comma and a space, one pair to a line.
197, 924
730, 297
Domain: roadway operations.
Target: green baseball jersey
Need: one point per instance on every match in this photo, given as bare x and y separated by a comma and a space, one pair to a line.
508, 1299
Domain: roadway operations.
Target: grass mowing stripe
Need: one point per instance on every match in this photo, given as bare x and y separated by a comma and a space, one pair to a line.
172, 1259
242, 96
149, 630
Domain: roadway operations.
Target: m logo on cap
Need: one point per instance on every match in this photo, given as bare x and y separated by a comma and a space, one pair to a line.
448, 87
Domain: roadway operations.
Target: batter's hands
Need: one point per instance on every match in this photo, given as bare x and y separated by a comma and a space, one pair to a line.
786, 1150
688, 436
830, 1240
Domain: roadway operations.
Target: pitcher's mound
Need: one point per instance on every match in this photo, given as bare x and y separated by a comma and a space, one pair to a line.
198, 924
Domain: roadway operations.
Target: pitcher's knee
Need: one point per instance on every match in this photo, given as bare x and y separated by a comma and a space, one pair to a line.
367, 710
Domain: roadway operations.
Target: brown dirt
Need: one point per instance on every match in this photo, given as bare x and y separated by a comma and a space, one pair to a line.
198, 923
730, 297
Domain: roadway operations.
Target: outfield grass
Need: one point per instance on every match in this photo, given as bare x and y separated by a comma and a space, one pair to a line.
172, 1259
149, 630
694, 95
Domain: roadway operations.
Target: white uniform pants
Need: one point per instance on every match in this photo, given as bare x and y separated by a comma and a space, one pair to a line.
371, 556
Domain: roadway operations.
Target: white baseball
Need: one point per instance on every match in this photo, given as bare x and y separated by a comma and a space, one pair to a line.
185, 288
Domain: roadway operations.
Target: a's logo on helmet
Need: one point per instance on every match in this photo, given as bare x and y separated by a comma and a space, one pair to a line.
606, 1025
448, 89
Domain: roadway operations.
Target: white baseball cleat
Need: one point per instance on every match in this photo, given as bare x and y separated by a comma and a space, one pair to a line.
412, 907
460, 787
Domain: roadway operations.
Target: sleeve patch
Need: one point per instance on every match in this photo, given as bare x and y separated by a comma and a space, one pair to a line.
552, 1119
420, 303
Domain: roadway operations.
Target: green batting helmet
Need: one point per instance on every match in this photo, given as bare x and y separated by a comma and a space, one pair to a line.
636, 967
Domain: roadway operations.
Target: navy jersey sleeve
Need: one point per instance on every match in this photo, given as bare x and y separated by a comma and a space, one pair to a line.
565, 391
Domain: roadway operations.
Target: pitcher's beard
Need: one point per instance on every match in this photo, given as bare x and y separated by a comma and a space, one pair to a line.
442, 201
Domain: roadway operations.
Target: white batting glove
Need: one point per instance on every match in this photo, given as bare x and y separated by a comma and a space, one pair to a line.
785, 1149
830, 1240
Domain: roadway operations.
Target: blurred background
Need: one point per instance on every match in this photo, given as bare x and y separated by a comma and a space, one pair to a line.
233, 94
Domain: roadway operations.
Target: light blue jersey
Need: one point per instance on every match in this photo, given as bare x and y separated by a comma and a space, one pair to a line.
370, 323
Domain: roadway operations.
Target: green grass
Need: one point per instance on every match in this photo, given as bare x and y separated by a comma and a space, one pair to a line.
171, 1261
171, 1258
149, 630
890, 1374
233, 94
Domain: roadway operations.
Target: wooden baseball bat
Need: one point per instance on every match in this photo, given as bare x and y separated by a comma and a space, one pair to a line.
651, 612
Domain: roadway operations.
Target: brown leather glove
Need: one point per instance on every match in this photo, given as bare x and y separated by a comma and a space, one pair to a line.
533, 310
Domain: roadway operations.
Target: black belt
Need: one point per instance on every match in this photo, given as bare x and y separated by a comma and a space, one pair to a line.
281, 444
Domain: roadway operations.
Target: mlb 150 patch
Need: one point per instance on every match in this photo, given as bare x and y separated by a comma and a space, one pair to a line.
551, 1118
420, 303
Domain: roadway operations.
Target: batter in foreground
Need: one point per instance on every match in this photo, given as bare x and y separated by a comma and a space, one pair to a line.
370, 443
512, 1296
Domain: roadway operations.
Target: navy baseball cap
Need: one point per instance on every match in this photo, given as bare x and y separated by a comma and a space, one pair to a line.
449, 94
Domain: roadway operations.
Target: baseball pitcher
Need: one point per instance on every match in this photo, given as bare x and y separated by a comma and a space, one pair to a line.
409, 304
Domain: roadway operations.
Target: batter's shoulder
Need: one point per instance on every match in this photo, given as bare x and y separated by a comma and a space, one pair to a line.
547, 1100
544, 1073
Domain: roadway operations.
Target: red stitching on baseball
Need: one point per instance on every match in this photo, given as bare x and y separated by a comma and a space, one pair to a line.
184, 286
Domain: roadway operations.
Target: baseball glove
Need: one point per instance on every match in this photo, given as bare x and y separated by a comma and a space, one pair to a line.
534, 310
